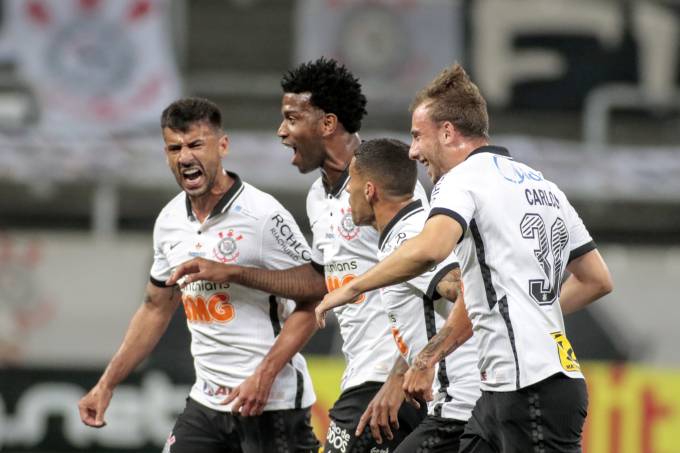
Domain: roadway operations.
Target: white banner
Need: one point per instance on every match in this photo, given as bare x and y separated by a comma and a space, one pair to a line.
393, 46
96, 64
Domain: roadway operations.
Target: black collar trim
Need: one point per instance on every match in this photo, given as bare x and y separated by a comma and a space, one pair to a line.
339, 186
225, 202
404, 212
490, 149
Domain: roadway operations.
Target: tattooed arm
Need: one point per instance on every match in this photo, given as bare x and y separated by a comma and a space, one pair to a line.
146, 328
455, 332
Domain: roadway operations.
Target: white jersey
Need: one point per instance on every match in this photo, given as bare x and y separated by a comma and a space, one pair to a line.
416, 317
233, 327
345, 251
519, 234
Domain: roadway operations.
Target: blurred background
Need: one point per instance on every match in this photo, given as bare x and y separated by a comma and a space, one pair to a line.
587, 91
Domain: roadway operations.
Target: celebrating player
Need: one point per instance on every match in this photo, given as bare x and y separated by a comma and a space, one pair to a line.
518, 235
382, 179
250, 378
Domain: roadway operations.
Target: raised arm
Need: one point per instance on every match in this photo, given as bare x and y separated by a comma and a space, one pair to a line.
589, 280
145, 329
418, 254
250, 397
301, 283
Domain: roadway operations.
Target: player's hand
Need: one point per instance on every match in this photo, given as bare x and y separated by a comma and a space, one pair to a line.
418, 384
336, 298
202, 269
93, 405
250, 397
381, 415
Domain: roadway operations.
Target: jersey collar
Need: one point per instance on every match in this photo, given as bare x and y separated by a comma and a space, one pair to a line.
339, 185
403, 213
225, 202
490, 149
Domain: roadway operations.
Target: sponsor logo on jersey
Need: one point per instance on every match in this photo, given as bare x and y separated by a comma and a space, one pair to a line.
334, 282
285, 236
213, 309
514, 172
219, 390
347, 229
226, 251
566, 353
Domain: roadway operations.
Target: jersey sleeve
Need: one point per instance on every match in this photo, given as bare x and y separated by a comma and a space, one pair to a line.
427, 282
580, 241
452, 198
283, 245
160, 268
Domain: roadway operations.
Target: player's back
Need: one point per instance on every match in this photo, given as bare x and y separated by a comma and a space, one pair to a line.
520, 234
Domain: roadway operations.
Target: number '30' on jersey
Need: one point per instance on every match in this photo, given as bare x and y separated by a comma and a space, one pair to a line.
520, 232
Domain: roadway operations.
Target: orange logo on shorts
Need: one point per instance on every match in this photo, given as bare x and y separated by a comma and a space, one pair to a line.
333, 283
216, 309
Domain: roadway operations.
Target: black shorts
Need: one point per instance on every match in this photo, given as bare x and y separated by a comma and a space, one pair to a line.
200, 429
434, 435
545, 417
345, 416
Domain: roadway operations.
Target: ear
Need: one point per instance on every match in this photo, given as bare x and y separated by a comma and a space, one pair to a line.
223, 145
329, 123
447, 132
370, 192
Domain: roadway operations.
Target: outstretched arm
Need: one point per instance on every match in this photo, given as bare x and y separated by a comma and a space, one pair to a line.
144, 331
250, 397
589, 280
414, 257
302, 283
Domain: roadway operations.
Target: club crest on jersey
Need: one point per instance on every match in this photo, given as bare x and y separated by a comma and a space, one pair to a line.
226, 250
347, 228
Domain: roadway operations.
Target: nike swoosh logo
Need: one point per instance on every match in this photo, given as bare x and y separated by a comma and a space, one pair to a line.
172, 246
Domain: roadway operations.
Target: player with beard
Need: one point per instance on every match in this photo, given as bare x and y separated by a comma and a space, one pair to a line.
250, 378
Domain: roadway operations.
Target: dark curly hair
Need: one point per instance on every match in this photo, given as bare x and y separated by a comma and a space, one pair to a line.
334, 90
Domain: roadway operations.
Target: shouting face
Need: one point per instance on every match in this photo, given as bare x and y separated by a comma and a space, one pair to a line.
195, 156
301, 130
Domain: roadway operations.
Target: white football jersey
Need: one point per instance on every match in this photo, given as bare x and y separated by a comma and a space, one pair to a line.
416, 317
345, 251
233, 327
519, 234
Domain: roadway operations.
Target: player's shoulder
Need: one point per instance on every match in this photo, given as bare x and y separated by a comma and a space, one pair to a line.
173, 210
316, 195
257, 202
407, 223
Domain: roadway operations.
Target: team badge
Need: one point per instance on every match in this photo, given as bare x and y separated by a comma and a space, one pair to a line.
347, 228
226, 250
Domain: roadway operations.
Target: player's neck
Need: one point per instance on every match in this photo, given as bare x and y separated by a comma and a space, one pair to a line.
461, 150
339, 152
386, 210
203, 205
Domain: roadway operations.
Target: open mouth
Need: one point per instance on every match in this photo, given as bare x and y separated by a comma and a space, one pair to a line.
192, 177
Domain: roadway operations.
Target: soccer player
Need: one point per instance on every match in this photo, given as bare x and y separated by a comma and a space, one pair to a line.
322, 109
382, 180
519, 235
250, 378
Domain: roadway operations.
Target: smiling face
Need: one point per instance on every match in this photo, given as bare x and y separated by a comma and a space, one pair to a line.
359, 189
301, 130
425, 145
195, 156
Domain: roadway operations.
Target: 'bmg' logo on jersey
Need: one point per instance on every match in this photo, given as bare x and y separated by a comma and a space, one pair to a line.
226, 250
347, 228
